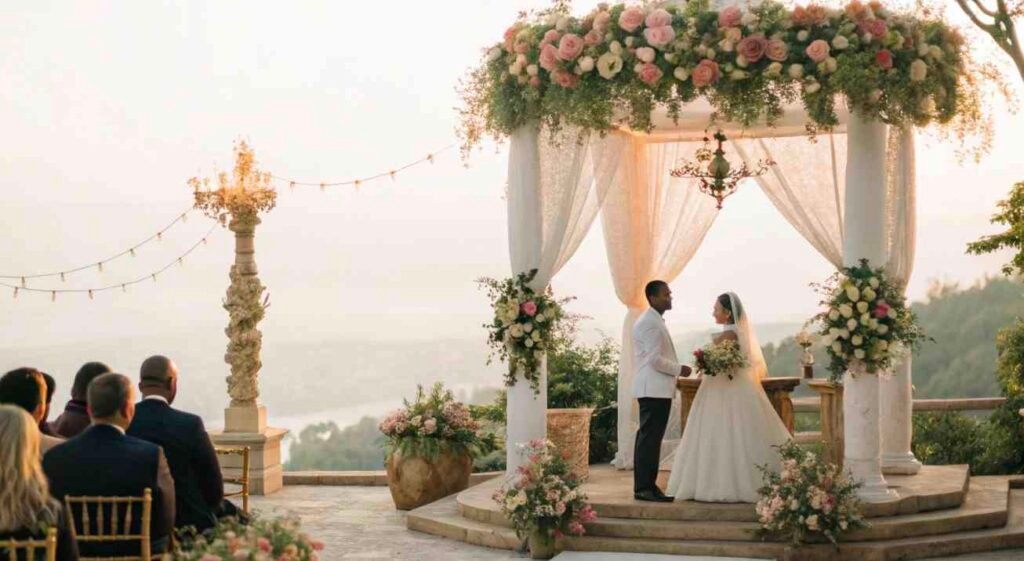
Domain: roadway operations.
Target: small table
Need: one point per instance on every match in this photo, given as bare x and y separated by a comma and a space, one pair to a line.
778, 390
831, 395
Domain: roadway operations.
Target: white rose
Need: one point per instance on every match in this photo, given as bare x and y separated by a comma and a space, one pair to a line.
851, 324
873, 282
726, 46
796, 71
857, 340
802, 35
562, 24
514, 69
516, 330
840, 42
829, 65
710, 53
615, 47
918, 70
586, 64
927, 105
521, 60
645, 54
892, 313
737, 75
774, 69
742, 61
865, 318
494, 54
681, 74
923, 48
535, 336
837, 347
529, 343
812, 522
935, 52
870, 295
846, 310
852, 293
630, 41
844, 333
527, 327
882, 329
859, 354
794, 505
833, 315
882, 344
748, 19
532, 70
862, 307
540, 318
609, 65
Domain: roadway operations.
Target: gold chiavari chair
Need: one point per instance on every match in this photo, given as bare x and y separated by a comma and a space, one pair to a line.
243, 479
46, 545
100, 520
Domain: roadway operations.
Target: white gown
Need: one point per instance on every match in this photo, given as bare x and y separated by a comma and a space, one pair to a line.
731, 429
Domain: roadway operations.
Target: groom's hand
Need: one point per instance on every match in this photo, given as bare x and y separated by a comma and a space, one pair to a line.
685, 371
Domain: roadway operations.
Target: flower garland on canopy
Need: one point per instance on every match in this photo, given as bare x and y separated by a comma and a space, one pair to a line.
621, 61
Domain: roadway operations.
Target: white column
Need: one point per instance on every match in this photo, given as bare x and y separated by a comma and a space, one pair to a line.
897, 404
526, 412
865, 218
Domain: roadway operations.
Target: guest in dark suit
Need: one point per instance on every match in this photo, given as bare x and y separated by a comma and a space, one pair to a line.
26, 508
51, 388
198, 484
26, 388
103, 461
75, 417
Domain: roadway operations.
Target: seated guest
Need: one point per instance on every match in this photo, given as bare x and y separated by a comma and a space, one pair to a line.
26, 509
198, 485
51, 388
26, 388
75, 417
103, 461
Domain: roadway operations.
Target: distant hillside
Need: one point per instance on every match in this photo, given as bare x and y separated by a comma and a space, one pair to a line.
962, 360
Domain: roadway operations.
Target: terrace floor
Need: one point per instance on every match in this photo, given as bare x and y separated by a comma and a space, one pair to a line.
362, 523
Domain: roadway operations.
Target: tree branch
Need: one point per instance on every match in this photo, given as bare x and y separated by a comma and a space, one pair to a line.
987, 28
984, 10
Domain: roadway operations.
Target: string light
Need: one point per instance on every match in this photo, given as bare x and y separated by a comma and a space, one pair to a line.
357, 182
99, 264
123, 286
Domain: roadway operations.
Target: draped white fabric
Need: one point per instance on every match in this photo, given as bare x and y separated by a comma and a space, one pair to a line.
653, 225
556, 184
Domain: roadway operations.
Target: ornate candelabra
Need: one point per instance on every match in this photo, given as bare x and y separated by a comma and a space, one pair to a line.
714, 172
805, 340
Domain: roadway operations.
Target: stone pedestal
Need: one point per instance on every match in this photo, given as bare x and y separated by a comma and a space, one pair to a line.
247, 426
897, 405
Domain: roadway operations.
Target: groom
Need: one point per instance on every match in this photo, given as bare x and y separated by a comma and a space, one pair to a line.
657, 367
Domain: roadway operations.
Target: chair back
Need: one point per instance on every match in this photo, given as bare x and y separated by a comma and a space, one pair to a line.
31, 548
243, 478
97, 520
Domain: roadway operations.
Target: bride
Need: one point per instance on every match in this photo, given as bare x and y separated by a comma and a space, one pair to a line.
732, 427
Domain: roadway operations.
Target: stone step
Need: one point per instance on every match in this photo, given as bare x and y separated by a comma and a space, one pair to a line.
442, 518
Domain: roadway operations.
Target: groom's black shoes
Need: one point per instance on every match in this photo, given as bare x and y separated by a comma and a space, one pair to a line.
652, 496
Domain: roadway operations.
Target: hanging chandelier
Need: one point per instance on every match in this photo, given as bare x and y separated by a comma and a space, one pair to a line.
713, 171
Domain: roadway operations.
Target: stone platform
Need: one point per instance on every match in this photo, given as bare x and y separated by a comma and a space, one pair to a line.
941, 511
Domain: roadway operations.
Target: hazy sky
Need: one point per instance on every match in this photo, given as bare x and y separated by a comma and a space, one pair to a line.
109, 107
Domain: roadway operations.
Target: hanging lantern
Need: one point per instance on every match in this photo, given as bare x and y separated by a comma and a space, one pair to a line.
713, 172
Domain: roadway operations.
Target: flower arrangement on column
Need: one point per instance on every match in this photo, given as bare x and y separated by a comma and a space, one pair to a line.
807, 498
866, 324
237, 203
544, 501
525, 325
617, 63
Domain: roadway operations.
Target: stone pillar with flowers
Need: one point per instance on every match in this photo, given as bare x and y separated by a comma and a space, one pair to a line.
236, 203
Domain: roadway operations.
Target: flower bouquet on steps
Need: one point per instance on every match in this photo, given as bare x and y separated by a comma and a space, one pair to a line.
544, 501
807, 499
719, 358
263, 539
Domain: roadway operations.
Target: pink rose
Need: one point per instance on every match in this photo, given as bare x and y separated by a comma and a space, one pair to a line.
510, 36
551, 36
630, 19
810, 15
264, 545
593, 37
658, 18
730, 17
659, 36
566, 80
753, 47
535, 81
529, 308
601, 21
876, 27
549, 58
777, 50
705, 73
884, 59
818, 50
210, 557
650, 74
570, 47
883, 309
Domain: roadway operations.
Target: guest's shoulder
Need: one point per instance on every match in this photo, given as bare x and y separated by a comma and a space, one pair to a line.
140, 446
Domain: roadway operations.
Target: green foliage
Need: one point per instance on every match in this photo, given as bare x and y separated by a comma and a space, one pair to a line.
944, 438
1012, 216
324, 446
587, 376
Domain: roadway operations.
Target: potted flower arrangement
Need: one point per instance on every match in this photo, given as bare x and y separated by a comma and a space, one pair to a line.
262, 539
544, 501
866, 324
524, 326
719, 358
807, 499
430, 445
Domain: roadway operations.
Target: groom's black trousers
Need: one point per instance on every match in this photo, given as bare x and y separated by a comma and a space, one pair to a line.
647, 451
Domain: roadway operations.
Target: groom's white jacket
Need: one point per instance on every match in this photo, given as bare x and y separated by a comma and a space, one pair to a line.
654, 357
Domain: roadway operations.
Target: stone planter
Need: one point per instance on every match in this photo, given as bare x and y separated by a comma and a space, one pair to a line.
569, 430
415, 480
541, 546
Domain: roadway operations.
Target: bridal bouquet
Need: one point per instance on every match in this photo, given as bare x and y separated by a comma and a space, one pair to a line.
719, 358
544, 501
866, 324
524, 325
808, 497
263, 539
433, 422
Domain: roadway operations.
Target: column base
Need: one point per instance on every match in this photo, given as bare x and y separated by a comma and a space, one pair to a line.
900, 464
266, 474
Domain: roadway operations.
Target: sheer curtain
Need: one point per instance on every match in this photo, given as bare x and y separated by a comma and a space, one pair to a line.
556, 184
653, 224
